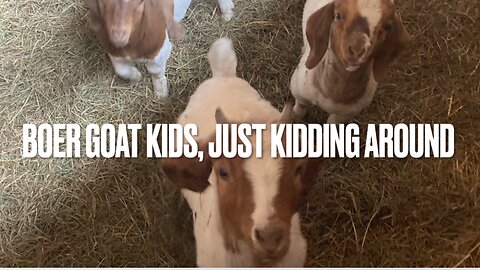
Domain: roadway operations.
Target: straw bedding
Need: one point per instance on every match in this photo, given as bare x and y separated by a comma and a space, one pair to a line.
122, 212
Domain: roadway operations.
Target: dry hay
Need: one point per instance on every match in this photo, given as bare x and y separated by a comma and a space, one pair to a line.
101, 212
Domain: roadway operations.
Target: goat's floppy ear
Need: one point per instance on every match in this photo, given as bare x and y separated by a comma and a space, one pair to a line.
318, 34
220, 117
188, 173
395, 42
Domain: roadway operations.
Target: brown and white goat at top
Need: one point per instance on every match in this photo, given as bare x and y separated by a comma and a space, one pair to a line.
139, 31
244, 210
348, 46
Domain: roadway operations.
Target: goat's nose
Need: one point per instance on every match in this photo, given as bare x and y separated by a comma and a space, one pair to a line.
270, 237
357, 51
119, 37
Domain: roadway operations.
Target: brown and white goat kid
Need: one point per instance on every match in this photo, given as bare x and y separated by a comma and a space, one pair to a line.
139, 31
348, 46
244, 210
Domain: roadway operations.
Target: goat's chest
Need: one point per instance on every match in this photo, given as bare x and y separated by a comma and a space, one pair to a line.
332, 92
334, 85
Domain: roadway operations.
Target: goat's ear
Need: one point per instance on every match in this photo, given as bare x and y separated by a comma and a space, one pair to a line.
220, 117
188, 173
318, 34
396, 40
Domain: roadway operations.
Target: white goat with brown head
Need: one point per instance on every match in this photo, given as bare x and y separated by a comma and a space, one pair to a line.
139, 31
348, 46
244, 210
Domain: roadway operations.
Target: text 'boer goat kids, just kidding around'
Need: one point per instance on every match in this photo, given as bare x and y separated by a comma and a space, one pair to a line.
134, 31
348, 46
245, 211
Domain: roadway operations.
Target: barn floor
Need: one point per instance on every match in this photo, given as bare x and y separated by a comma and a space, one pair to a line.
121, 212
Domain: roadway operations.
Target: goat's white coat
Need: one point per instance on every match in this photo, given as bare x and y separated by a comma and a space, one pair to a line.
372, 11
265, 176
304, 90
180, 8
226, 7
239, 103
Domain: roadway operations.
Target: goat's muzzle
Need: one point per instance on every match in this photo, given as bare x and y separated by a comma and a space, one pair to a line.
356, 50
119, 37
272, 242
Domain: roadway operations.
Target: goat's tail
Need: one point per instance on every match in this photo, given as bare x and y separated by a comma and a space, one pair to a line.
222, 58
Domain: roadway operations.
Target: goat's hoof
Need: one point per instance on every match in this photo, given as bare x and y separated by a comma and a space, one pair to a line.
136, 76
227, 16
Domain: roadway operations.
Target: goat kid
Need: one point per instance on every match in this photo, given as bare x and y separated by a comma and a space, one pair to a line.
348, 47
244, 210
139, 31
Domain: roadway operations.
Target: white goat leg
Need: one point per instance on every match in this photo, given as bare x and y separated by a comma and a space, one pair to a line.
299, 109
180, 8
125, 68
226, 7
157, 68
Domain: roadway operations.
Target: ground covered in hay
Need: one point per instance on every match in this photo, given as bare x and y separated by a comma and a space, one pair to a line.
99, 212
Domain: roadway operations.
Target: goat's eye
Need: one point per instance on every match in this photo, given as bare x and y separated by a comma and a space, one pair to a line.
338, 16
223, 173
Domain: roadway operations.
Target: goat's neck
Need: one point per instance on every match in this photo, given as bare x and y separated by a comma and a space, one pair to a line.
338, 84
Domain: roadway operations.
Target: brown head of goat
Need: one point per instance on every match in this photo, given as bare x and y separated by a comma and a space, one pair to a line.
357, 31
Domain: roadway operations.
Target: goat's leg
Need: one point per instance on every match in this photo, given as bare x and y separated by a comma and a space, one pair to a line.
300, 108
180, 8
226, 7
125, 68
297, 252
157, 68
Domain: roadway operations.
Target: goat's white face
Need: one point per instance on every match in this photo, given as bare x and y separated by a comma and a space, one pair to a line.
257, 196
121, 17
357, 31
